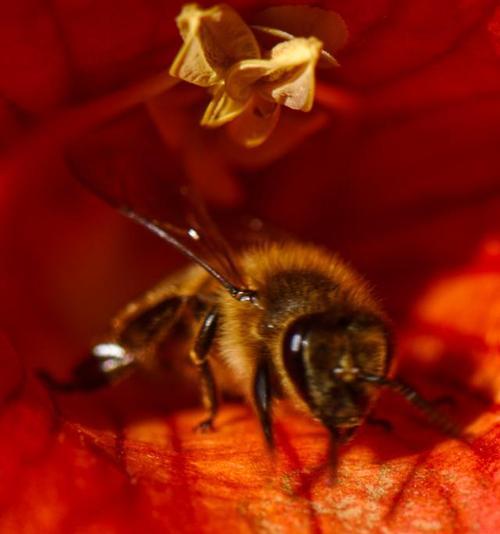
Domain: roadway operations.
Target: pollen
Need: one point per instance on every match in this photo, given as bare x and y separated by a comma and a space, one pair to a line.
247, 82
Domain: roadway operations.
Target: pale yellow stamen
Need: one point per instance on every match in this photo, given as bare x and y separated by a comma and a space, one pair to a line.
214, 39
248, 86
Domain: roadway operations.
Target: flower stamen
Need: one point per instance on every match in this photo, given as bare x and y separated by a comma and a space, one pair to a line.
248, 83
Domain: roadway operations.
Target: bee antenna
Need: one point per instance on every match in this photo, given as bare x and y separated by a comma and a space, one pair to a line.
413, 397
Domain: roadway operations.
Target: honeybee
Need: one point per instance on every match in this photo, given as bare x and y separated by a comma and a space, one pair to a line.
280, 319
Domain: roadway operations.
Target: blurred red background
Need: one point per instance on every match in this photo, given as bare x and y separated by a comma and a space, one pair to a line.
398, 169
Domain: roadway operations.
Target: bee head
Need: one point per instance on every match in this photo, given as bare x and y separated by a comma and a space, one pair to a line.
326, 355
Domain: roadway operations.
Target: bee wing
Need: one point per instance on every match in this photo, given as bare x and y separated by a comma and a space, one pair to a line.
126, 163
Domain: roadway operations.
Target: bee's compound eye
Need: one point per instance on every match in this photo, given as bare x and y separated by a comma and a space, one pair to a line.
294, 344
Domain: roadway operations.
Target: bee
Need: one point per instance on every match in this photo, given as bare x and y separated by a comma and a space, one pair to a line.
277, 320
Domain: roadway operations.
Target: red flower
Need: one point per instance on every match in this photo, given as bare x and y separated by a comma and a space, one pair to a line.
397, 170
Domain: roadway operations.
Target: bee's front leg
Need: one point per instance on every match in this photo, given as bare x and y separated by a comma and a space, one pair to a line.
199, 356
262, 397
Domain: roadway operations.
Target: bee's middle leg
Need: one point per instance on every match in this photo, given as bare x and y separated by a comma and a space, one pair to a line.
199, 356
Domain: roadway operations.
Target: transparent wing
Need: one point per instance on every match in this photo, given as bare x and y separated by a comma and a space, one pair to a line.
127, 164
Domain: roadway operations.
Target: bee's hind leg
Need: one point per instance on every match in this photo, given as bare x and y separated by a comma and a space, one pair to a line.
199, 356
106, 363
136, 331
